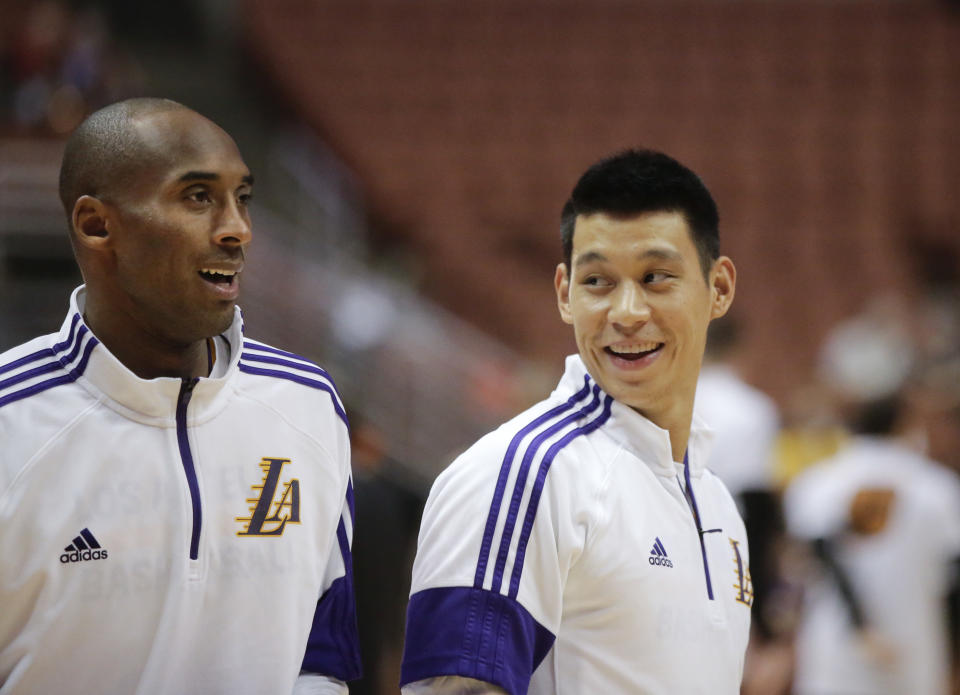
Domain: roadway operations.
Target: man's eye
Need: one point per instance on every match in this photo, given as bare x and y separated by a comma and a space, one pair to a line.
655, 277
596, 281
244, 198
200, 196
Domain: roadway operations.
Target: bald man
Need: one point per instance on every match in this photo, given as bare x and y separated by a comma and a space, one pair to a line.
176, 505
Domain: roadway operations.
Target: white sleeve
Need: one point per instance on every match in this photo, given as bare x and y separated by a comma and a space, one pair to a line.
451, 685
311, 684
333, 645
496, 544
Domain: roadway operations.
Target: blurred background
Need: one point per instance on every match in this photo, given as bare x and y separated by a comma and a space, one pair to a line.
412, 159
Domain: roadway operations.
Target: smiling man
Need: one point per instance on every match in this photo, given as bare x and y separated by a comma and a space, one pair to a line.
583, 547
175, 498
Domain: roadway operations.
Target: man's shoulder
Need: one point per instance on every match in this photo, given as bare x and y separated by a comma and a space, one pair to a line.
515, 431
40, 344
38, 399
263, 365
539, 438
29, 370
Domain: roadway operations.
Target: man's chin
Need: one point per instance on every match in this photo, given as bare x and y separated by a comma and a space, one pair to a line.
226, 320
210, 326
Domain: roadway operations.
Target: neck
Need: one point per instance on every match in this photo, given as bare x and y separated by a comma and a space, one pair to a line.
677, 423
679, 438
143, 353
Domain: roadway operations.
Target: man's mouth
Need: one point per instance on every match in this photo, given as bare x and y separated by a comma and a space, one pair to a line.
633, 352
222, 277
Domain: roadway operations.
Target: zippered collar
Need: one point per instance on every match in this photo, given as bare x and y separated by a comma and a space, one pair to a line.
149, 399
647, 441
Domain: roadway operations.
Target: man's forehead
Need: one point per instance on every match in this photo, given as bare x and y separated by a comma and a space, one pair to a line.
174, 143
665, 229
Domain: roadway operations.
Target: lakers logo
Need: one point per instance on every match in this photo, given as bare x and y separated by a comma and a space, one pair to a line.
271, 509
744, 585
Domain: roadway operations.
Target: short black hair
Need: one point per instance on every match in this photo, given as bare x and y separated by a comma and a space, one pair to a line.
105, 151
637, 181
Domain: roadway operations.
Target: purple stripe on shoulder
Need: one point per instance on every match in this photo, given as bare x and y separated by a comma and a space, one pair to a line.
521, 483
75, 349
27, 359
251, 345
45, 352
501, 486
309, 368
71, 376
304, 381
37, 388
537, 491
70, 335
29, 374
82, 364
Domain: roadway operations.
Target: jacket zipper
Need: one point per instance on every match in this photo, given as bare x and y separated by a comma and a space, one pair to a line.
186, 458
692, 502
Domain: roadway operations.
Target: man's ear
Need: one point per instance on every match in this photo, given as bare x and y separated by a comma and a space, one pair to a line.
90, 223
561, 283
723, 283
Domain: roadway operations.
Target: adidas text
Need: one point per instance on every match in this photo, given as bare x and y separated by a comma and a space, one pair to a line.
81, 555
659, 561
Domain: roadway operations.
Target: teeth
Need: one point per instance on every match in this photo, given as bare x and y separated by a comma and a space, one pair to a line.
634, 349
221, 273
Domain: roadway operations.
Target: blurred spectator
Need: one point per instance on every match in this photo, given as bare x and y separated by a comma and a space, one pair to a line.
745, 424
58, 65
934, 393
388, 508
883, 522
744, 420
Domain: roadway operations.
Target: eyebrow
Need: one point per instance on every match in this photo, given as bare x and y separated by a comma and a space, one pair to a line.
657, 254
210, 176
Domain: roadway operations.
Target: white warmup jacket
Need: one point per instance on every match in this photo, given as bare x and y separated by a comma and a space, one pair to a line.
171, 536
567, 552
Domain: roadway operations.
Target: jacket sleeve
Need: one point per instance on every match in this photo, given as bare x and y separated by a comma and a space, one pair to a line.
333, 646
487, 586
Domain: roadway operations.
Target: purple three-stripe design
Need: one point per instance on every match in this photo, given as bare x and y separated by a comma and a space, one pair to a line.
538, 489
289, 361
505, 473
74, 342
550, 424
521, 483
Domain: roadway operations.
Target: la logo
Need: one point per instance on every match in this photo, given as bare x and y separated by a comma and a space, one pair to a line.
269, 514
744, 585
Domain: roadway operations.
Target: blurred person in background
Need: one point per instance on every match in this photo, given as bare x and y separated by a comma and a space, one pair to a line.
934, 394
175, 498
57, 64
883, 524
745, 423
584, 546
389, 504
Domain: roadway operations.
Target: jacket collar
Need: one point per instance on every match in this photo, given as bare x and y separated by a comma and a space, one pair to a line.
647, 441
101, 373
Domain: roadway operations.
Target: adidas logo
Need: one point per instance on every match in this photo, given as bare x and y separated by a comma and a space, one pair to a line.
658, 556
83, 547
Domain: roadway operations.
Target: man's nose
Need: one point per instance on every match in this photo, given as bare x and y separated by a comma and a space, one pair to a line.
235, 227
629, 306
